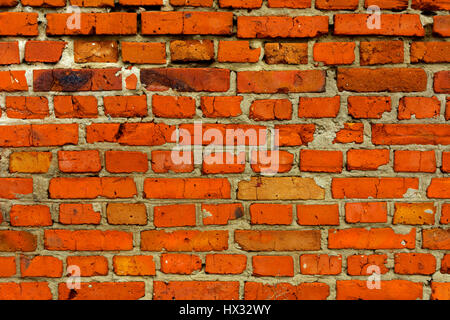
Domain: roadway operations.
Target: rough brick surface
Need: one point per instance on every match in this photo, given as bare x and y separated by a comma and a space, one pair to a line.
224, 149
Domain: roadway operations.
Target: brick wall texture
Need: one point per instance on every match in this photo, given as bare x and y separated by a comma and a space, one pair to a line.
95, 96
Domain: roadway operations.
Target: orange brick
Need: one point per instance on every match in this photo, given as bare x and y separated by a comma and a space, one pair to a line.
320, 264
30, 162
414, 213
334, 53
134, 265
126, 213
180, 263
414, 161
366, 212
221, 214
73, 213
271, 214
177, 215
274, 266
361, 265
41, 266
316, 215
359, 159
415, 263
225, 263
79, 161
30, 216
321, 161
126, 161
89, 265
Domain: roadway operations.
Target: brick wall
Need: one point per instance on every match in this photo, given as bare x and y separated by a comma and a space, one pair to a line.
95, 95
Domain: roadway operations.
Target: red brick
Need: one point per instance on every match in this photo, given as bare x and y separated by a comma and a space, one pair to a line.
270, 109
91, 188
221, 214
44, 51
436, 239
414, 213
445, 264
439, 188
173, 107
41, 266
440, 291
277, 240
441, 25
428, 5
366, 212
25, 291
13, 81
112, 23
140, 52
368, 107
281, 26
130, 134
358, 265
321, 161
26, 107
126, 214
89, 265
337, 4
381, 52
286, 291
371, 239
103, 291
190, 3
281, 81
442, 82
351, 133
388, 4
192, 188
74, 213
18, 24
334, 53
445, 215
317, 215
198, 23
415, 263
377, 188
322, 264
269, 162
81, 80
445, 162
430, 52
382, 79
9, 53
271, 214
95, 51
180, 263
221, 107
322, 107
176, 215
45, 3
286, 53
14, 188
87, 240
223, 162
162, 162
75, 106
273, 266
92, 3
134, 265
126, 161
186, 79
419, 108
403, 134
414, 161
295, 4
237, 51
125, 106
390, 290
225, 263
79, 161
196, 290
391, 25
191, 50
30, 216
7, 266
184, 240
11, 241
366, 160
